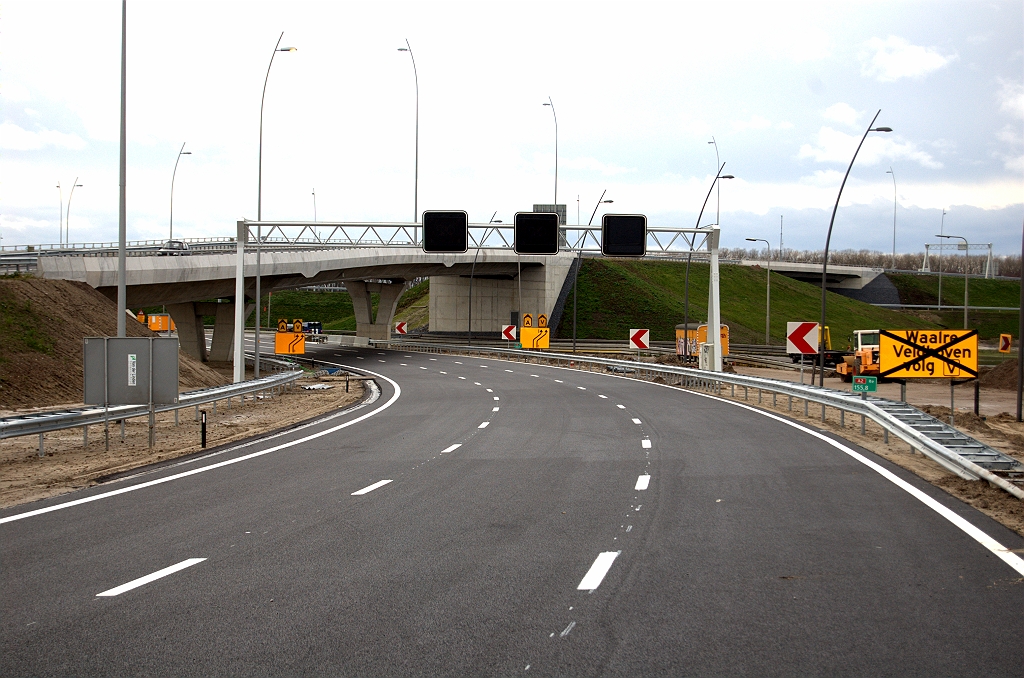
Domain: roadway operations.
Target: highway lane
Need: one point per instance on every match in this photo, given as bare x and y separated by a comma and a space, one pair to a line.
754, 548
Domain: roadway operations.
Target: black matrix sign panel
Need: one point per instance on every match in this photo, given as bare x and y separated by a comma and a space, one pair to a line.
624, 235
445, 232
536, 233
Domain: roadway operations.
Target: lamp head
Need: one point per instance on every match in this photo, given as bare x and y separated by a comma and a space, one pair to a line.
496, 221
287, 49
185, 153
752, 239
726, 176
78, 185
882, 129
547, 104
403, 49
607, 201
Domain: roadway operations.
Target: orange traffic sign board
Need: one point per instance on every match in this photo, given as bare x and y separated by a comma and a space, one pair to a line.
949, 354
535, 337
1005, 343
290, 343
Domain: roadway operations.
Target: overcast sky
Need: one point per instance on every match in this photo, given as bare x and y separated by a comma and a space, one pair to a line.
785, 88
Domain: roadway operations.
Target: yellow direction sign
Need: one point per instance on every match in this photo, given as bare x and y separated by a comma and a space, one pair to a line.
527, 320
949, 354
282, 325
542, 320
289, 343
534, 337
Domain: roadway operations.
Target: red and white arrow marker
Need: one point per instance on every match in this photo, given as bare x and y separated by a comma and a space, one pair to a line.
400, 328
802, 338
508, 332
1005, 342
640, 339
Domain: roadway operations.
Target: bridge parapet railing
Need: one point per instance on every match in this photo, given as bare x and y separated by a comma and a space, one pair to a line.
868, 407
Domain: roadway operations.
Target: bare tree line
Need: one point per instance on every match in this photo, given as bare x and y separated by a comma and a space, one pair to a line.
1004, 265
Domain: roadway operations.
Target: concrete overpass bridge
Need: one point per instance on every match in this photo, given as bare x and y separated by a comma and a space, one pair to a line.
368, 258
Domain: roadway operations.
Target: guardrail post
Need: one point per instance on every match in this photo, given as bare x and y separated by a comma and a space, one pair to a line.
197, 412
790, 403
85, 436
122, 430
805, 408
863, 396
152, 426
823, 413
842, 418
42, 452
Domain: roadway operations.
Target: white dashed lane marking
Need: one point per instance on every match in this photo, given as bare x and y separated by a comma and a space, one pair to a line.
636, 421
559, 381
477, 383
371, 488
621, 407
497, 398
595, 575
451, 448
582, 388
490, 390
159, 574
643, 482
461, 377
646, 444
495, 409
484, 425
508, 370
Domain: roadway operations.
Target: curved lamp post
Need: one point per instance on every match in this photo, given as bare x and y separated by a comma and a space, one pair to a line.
67, 218
170, 235
259, 209
889, 171
718, 207
416, 176
768, 302
579, 261
966, 263
828, 239
552, 105
689, 256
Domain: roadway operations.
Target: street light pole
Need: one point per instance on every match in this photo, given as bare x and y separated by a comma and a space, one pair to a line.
122, 207
170, 235
967, 262
942, 225
416, 176
552, 105
828, 239
579, 263
67, 218
893, 217
689, 256
259, 211
718, 208
768, 302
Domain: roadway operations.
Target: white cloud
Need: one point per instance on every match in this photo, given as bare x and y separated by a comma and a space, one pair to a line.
15, 91
14, 138
32, 112
755, 122
836, 146
843, 113
894, 58
1011, 98
823, 178
785, 124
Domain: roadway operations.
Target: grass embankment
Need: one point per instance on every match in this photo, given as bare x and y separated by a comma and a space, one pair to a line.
616, 295
334, 309
924, 289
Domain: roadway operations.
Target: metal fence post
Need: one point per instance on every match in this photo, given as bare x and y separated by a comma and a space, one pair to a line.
42, 452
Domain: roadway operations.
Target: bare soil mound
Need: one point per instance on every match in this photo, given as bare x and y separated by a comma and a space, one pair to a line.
42, 324
1002, 377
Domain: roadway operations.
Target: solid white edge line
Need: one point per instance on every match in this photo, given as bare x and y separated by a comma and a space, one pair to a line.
595, 575
451, 448
371, 488
141, 581
484, 425
643, 482
978, 535
227, 462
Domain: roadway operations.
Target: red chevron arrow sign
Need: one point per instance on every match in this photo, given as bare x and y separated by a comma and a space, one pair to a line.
1005, 343
640, 339
400, 328
802, 338
508, 332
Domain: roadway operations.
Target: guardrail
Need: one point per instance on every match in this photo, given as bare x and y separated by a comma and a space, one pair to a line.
868, 408
39, 423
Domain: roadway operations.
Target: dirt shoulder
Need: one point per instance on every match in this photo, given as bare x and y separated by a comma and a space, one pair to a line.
70, 465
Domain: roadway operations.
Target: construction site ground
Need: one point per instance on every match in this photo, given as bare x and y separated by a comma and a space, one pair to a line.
69, 465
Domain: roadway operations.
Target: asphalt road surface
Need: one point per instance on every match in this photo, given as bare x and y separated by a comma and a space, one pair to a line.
489, 518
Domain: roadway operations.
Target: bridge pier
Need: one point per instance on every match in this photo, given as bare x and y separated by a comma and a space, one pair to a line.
188, 317
366, 324
495, 297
